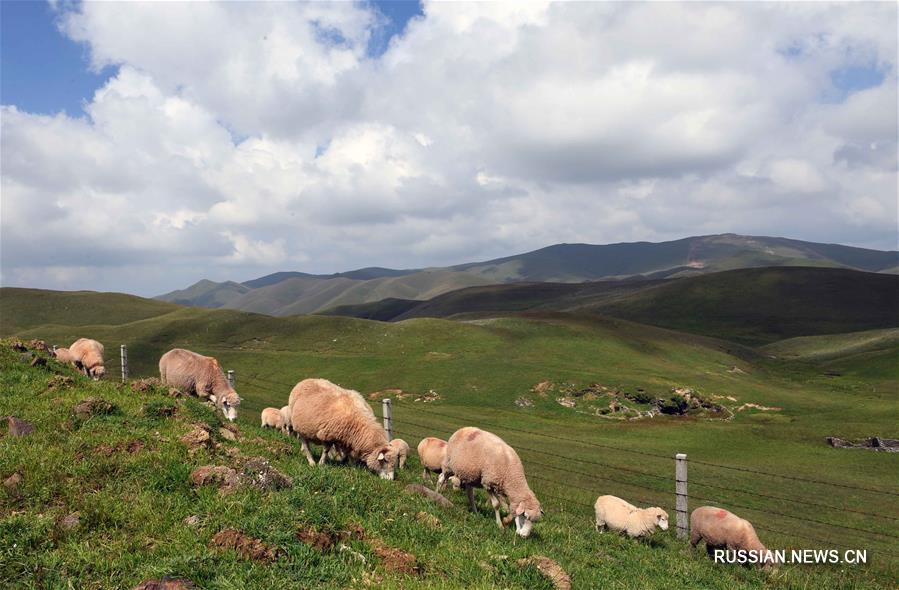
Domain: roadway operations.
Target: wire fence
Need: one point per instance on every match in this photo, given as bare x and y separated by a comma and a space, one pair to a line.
572, 481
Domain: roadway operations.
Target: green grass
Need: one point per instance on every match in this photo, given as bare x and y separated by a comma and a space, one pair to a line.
481, 367
133, 506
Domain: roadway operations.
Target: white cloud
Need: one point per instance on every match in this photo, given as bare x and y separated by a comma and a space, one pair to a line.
237, 139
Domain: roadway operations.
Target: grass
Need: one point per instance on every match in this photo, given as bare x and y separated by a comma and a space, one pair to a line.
479, 368
133, 507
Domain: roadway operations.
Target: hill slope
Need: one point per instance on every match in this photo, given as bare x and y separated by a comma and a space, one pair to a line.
751, 306
287, 293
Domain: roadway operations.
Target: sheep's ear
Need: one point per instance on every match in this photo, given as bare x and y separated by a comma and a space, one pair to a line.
519, 509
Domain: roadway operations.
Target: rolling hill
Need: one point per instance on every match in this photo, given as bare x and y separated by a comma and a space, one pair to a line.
287, 293
751, 306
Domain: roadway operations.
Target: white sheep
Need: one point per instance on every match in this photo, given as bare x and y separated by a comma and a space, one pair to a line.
86, 355
402, 451
201, 375
285, 416
325, 413
273, 418
722, 529
482, 459
615, 514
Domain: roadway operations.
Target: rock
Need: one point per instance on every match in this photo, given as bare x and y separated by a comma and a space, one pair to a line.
395, 560
38, 361
166, 583
549, 568
192, 521
524, 402
70, 522
247, 547
19, 427
38, 345
224, 477
11, 483
196, 438
260, 473
542, 387
227, 434
18, 346
418, 489
93, 406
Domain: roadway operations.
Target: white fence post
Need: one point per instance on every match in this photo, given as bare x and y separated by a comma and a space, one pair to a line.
231, 378
680, 499
388, 418
123, 350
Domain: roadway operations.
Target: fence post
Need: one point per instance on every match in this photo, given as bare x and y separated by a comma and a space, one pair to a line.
388, 418
123, 350
231, 378
680, 499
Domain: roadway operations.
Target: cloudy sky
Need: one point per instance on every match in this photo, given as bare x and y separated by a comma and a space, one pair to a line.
148, 145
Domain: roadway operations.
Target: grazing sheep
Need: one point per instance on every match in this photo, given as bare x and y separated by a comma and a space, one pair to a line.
88, 357
402, 450
431, 452
273, 418
482, 459
64, 355
285, 416
201, 375
617, 515
721, 529
328, 414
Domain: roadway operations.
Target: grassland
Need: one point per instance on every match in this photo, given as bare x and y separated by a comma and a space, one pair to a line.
479, 368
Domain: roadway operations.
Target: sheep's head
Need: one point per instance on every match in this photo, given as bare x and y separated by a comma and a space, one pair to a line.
97, 372
527, 512
383, 461
228, 402
660, 517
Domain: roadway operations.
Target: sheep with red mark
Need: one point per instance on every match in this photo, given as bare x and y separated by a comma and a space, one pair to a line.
722, 529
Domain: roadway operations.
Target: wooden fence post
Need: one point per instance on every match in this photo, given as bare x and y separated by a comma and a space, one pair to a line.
123, 350
680, 499
231, 378
388, 418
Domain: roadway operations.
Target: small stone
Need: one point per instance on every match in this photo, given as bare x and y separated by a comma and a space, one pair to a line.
166, 583
93, 406
227, 434
196, 438
428, 519
192, 521
70, 522
12, 482
19, 427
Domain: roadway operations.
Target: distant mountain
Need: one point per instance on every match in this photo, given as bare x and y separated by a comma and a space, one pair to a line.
286, 293
748, 306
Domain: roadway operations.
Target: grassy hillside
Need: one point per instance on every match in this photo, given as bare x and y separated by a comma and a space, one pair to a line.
287, 293
753, 306
480, 371
106, 501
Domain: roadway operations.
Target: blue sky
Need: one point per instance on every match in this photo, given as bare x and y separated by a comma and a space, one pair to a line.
45, 72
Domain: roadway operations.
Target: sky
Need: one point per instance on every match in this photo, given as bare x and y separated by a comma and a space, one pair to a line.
148, 145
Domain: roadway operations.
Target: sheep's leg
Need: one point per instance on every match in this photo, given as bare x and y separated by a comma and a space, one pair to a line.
441, 481
694, 538
325, 450
307, 452
471, 503
495, 503
426, 475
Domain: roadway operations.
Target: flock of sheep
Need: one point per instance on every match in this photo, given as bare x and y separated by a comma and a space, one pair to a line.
342, 422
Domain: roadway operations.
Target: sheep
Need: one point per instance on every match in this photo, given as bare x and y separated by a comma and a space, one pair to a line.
201, 375
402, 451
615, 514
482, 459
431, 452
87, 355
273, 418
64, 355
721, 529
285, 417
325, 413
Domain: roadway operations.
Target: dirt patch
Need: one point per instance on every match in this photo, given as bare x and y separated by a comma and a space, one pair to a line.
438, 356
228, 434
542, 388
395, 560
11, 484
318, 540
428, 519
38, 361
58, 382
524, 402
549, 568
391, 393
19, 427
93, 406
224, 477
166, 583
70, 522
196, 438
131, 447
247, 547
147, 385
420, 490
874, 443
